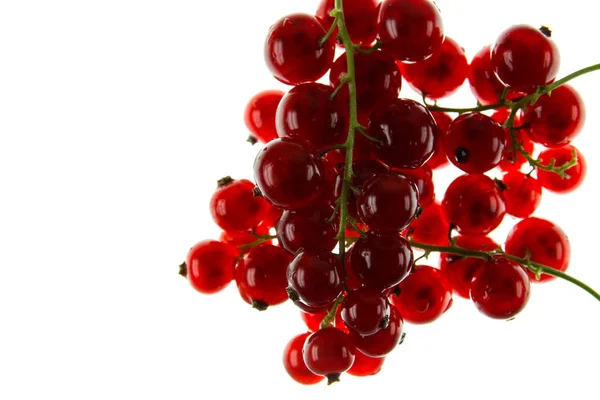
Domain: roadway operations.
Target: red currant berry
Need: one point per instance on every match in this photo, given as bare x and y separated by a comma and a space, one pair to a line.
509, 162
360, 17
474, 204
269, 220
441, 74
241, 238
329, 352
313, 320
543, 241
294, 364
439, 159
484, 83
317, 279
293, 52
365, 365
384, 341
411, 30
458, 271
407, 132
430, 227
500, 289
381, 260
474, 143
210, 266
308, 229
259, 115
289, 174
423, 179
555, 120
365, 310
523, 194
388, 202
424, 295
561, 156
524, 58
308, 113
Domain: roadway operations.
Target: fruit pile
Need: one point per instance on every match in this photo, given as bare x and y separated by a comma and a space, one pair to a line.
343, 197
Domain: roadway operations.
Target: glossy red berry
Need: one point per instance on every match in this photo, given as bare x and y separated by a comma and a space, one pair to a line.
524, 58
308, 229
422, 178
439, 159
293, 52
556, 119
474, 143
365, 365
500, 289
459, 271
316, 279
523, 194
474, 204
259, 115
411, 30
545, 243
210, 266
381, 261
509, 162
388, 202
289, 173
365, 310
384, 341
430, 227
441, 74
329, 352
552, 181
360, 17
363, 171
407, 132
307, 112
484, 83
234, 207
424, 295
313, 320
293, 361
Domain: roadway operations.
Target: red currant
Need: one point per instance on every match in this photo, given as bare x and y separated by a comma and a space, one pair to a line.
523, 194
241, 238
561, 156
360, 17
307, 229
313, 320
329, 352
293, 361
484, 83
442, 121
365, 365
384, 341
423, 179
430, 227
365, 310
210, 266
317, 279
259, 115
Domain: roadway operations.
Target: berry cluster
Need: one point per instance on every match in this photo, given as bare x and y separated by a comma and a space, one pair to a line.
344, 193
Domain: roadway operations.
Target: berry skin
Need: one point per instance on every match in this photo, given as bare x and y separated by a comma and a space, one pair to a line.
316, 278
523, 194
509, 162
430, 227
308, 229
365, 310
544, 241
500, 289
474, 204
293, 361
388, 202
556, 120
259, 115
384, 341
289, 174
365, 365
234, 207
553, 182
424, 295
307, 113
313, 320
293, 53
360, 17
439, 159
381, 261
329, 352
484, 83
423, 179
457, 271
210, 266
410, 30
474, 143
261, 276
441, 74
407, 132
524, 58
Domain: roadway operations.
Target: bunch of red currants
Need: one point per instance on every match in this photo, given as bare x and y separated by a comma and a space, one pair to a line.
344, 182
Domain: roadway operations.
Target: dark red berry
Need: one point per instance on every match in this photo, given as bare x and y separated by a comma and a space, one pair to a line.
484, 82
316, 278
407, 132
293, 361
365, 310
552, 181
411, 30
313, 320
543, 241
365, 365
442, 121
210, 266
500, 289
259, 115
423, 179
384, 341
523, 194
289, 174
430, 227
308, 229
360, 17
329, 352
234, 207
293, 52
474, 204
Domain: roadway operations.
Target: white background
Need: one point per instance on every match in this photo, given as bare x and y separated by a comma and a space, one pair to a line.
116, 120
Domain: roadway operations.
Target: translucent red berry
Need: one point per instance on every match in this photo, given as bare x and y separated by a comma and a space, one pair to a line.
259, 115
430, 227
240, 238
313, 320
551, 180
360, 17
234, 207
293, 361
365, 365
522, 194
365, 310
307, 229
329, 352
484, 83
316, 278
210, 266
384, 341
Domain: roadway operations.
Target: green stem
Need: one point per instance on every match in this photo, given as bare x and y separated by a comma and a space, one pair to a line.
328, 320
434, 107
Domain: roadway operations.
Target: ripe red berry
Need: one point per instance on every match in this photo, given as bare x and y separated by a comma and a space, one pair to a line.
365, 310
329, 352
484, 83
308, 113
441, 74
365, 365
313, 320
289, 174
523, 194
423, 180
411, 30
544, 242
317, 279
210, 266
259, 115
524, 58
360, 17
293, 52
552, 181
293, 361
407, 132
388, 202
474, 143
442, 121
500, 289
424, 295
430, 227
308, 229
384, 341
